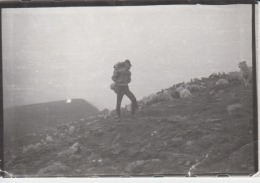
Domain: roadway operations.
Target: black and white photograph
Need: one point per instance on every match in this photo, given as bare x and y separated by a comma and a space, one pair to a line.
158, 90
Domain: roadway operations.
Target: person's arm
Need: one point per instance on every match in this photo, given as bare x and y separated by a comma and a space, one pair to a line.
115, 76
129, 77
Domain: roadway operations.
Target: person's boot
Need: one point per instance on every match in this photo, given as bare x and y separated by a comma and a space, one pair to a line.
134, 108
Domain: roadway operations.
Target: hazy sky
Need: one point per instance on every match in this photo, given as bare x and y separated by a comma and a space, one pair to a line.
53, 54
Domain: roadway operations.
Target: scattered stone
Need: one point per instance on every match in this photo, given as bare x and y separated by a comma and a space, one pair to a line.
131, 166
179, 89
177, 118
212, 92
55, 169
177, 139
49, 138
78, 170
221, 82
165, 96
233, 107
155, 160
185, 93
213, 120
187, 163
31, 147
75, 148
188, 143
160, 120
175, 94
171, 106
154, 133
216, 128
71, 130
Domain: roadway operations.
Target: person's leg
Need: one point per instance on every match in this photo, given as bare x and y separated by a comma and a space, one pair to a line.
131, 96
120, 94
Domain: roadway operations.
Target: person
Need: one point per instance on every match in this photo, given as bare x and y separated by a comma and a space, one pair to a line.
122, 76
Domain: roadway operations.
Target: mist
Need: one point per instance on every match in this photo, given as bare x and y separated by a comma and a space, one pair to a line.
54, 54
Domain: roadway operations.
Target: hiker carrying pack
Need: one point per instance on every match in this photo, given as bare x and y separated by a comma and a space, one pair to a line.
121, 78
117, 67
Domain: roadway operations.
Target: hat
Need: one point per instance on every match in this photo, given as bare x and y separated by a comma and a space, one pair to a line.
127, 61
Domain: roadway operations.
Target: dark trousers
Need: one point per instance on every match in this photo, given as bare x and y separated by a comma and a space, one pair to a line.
124, 90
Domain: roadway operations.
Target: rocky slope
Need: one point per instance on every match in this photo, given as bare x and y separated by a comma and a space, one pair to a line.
210, 132
36, 119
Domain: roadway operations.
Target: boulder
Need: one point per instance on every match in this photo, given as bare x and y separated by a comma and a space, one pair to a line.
185, 93
179, 89
221, 82
153, 98
194, 88
175, 94
165, 96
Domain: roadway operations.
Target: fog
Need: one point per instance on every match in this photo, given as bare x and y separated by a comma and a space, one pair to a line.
54, 54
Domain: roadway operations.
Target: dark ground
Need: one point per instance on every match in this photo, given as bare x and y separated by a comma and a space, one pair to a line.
191, 136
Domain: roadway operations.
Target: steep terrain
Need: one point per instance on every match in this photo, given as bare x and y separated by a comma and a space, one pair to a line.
210, 132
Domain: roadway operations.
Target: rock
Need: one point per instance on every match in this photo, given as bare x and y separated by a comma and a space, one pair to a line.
188, 143
104, 112
177, 118
235, 76
194, 88
71, 130
233, 107
177, 139
221, 82
165, 96
131, 166
49, 138
153, 98
213, 119
78, 170
32, 147
175, 94
212, 92
216, 129
187, 163
185, 93
155, 160
179, 89
55, 169
75, 148
154, 133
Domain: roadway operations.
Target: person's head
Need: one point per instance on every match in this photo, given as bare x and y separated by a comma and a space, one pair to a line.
127, 64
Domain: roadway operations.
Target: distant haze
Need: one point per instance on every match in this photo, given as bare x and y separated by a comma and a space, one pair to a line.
52, 54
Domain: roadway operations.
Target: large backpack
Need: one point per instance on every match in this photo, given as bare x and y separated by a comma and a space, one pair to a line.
117, 66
